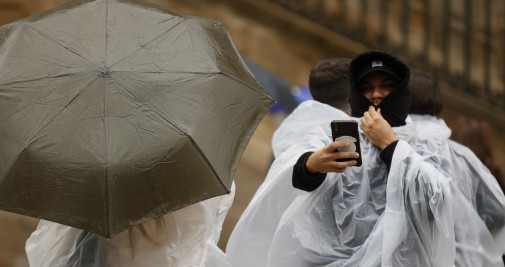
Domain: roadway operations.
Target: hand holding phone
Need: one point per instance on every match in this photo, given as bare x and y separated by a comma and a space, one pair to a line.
347, 131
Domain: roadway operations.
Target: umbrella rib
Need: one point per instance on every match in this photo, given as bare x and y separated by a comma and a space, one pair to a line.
206, 160
47, 124
157, 37
106, 32
203, 72
180, 130
246, 84
56, 115
10, 83
105, 124
42, 78
90, 64
139, 101
133, 95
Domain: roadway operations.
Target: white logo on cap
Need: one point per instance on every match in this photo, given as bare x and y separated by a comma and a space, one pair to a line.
377, 63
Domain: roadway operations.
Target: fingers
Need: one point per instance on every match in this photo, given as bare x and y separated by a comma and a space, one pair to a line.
325, 159
363, 124
368, 117
373, 113
346, 155
336, 166
366, 121
331, 148
376, 114
342, 166
333, 155
335, 145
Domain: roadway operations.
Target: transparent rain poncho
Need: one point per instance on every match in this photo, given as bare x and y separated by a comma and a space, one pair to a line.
478, 193
251, 238
413, 215
186, 237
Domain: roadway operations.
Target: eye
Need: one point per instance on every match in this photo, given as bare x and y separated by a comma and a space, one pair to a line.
389, 85
364, 88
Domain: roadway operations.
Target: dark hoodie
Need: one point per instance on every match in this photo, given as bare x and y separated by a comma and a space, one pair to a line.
394, 108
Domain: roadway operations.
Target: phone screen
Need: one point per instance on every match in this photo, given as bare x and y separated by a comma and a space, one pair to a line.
347, 130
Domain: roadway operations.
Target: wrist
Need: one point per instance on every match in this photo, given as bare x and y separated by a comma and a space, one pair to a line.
309, 167
387, 143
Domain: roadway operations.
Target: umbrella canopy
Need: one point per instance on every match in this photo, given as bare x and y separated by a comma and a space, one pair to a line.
115, 112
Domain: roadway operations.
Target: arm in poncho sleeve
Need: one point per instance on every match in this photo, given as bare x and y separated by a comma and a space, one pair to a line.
387, 154
304, 180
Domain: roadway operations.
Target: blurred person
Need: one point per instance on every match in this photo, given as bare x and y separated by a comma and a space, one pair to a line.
393, 210
397, 209
346, 220
329, 83
484, 187
426, 97
250, 240
274, 85
476, 188
478, 137
186, 237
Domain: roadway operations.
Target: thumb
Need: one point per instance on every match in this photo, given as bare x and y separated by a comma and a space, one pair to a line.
379, 111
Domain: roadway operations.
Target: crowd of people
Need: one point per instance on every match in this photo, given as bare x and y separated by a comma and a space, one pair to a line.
423, 196
419, 199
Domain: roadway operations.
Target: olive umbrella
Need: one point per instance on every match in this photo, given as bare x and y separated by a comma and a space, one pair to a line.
115, 112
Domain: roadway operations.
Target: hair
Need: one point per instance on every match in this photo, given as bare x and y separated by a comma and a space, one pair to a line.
426, 97
478, 137
160, 224
329, 82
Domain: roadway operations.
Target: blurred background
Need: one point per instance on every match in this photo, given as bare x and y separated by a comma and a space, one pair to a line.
460, 42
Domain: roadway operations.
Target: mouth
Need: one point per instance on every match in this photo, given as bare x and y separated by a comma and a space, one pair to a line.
376, 101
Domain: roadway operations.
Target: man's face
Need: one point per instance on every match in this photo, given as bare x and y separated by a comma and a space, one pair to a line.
376, 86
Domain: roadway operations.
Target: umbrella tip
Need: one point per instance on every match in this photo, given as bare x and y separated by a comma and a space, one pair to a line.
104, 70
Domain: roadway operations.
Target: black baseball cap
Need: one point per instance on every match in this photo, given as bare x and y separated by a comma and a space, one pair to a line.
373, 61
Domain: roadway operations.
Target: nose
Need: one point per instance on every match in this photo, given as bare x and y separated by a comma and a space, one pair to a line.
376, 92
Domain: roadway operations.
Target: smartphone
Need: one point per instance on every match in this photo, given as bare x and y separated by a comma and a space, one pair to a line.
347, 130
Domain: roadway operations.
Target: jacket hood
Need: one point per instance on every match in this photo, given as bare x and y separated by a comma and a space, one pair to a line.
395, 106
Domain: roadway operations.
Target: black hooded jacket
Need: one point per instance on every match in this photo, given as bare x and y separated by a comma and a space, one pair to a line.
394, 108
